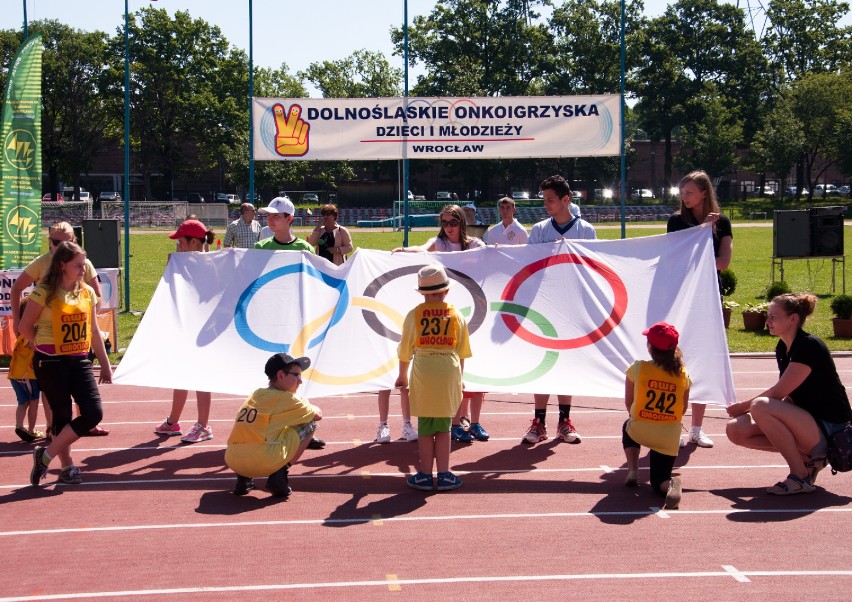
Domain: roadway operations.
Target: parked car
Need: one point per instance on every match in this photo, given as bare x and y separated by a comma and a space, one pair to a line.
59, 197
444, 196
821, 190
641, 194
576, 195
520, 195
310, 197
68, 193
791, 191
194, 197
110, 196
766, 192
843, 190
231, 199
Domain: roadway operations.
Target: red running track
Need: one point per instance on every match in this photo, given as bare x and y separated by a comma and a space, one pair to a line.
156, 519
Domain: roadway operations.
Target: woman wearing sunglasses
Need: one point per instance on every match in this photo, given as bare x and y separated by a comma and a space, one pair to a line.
35, 273
453, 237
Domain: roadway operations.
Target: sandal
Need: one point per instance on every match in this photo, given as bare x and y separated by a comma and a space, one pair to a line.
791, 486
814, 465
97, 432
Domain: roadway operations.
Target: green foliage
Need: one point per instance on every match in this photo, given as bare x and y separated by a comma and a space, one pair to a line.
728, 282
756, 308
841, 306
777, 288
363, 74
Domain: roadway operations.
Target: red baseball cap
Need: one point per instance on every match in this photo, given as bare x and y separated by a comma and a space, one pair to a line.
662, 335
192, 228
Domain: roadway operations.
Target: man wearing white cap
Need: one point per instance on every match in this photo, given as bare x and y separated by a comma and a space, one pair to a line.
279, 215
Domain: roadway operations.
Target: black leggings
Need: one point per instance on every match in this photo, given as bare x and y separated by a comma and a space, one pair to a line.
661, 464
62, 377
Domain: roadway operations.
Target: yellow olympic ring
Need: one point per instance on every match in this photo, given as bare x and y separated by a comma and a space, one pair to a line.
312, 374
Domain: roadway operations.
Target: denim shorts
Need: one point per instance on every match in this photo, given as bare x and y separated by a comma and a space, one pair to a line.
26, 390
830, 427
305, 430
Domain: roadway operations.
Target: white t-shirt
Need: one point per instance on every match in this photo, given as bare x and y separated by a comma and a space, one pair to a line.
513, 234
544, 232
446, 246
265, 232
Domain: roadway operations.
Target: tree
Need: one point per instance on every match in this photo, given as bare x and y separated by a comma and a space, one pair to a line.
821, 103
695, 43
712, 143
188, 93
778, 145
805, 36
73, 88
363, 74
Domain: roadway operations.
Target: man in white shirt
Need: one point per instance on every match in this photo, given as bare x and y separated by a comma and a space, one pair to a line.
509, 230
560, 224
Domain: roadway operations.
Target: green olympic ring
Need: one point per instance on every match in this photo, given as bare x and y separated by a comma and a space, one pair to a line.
547, 363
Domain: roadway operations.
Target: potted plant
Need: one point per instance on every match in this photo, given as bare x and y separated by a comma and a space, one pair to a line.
754, 316
727, 308
727, 286
841, 307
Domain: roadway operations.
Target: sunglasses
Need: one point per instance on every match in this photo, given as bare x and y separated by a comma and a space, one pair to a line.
453, 223
56, 242
296, 374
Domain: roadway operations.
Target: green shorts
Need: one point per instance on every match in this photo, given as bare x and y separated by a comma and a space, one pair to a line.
426, 427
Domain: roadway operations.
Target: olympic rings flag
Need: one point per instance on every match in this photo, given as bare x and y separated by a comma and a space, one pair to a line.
331, 129
561, 318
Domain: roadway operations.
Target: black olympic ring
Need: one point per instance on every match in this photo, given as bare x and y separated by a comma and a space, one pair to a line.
480, 304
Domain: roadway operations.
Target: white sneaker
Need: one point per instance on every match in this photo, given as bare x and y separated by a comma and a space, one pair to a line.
383, 434
198, 433
699, 438
409, 433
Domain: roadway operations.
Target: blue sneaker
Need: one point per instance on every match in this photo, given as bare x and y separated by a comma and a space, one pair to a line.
422, 481
479, 433
447, 481
459, 433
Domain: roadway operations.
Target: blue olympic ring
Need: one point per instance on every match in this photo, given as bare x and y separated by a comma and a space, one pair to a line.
241, 321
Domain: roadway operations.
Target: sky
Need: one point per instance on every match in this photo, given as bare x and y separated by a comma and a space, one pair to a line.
295, 33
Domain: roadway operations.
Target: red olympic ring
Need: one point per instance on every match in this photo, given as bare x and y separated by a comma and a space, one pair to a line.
615, 316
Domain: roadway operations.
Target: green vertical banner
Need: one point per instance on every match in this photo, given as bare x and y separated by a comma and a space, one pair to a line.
20, 171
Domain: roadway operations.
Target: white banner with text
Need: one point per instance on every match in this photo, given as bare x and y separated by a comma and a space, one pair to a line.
365, 129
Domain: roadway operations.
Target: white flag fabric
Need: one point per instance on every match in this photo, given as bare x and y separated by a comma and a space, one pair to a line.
561, 318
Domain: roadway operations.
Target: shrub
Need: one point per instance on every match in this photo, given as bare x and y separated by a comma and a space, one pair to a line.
841, 306
728, 282
777, 288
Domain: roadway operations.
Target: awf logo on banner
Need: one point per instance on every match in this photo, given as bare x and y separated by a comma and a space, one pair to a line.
333, 129
566, 317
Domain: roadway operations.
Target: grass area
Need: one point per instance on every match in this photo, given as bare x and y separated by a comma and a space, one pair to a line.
751, 263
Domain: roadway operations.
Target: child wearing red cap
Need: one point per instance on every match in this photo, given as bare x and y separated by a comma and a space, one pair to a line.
191, 235
656, 394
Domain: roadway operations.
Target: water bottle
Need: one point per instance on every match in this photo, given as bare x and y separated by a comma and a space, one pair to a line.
218, 244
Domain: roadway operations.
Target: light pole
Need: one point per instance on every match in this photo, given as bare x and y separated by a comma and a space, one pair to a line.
405, 142
251, 198
26, 33
126, 159
623, 168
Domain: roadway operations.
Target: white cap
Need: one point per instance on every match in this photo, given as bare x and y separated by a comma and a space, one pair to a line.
280, 204
470, 206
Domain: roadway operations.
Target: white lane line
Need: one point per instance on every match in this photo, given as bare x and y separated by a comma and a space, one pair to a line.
521, 471
383, 583
355, 520
738, 575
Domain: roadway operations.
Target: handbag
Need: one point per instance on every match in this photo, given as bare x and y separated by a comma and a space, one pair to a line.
839, 452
